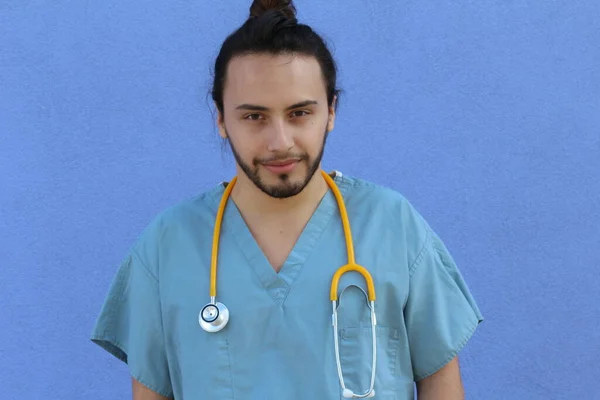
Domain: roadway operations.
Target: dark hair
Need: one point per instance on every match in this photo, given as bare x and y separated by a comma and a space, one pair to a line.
272, 28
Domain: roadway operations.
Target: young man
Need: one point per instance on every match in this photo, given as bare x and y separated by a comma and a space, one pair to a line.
281, 236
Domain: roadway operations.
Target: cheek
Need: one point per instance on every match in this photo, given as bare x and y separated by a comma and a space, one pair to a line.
245, 148
310, 138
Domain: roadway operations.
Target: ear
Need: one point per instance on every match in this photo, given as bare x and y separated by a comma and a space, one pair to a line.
221, 123
331, 119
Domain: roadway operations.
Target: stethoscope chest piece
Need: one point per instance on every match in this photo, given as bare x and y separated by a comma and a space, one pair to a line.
213, 317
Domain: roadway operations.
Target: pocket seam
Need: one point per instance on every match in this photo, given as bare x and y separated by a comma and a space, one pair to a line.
392, 335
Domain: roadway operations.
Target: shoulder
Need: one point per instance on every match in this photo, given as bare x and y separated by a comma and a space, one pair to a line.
174, 223
374, 198
387, 210
199, 209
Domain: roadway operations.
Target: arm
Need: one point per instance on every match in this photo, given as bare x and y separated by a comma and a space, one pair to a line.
141, 392
445, 384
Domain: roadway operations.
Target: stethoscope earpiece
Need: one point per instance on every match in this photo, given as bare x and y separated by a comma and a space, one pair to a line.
213, 317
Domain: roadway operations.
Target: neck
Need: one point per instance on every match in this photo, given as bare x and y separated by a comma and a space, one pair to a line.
253, 201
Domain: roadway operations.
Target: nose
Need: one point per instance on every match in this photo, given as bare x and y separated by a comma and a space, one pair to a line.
280, 137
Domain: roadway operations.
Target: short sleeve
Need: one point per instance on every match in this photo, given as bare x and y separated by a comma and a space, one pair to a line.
130, 326
441, 314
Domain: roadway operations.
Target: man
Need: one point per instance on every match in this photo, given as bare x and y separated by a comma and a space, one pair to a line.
281, 240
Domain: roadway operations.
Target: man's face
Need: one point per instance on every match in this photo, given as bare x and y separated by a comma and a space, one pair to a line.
276, 118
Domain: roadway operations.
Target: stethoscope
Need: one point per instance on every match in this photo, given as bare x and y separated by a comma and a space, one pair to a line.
214, 316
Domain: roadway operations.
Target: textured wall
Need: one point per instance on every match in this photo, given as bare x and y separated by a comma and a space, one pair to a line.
486, 115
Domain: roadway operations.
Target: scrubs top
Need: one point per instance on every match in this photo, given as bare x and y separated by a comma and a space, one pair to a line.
279, 343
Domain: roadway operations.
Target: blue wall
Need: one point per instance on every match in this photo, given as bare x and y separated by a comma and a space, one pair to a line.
486, 115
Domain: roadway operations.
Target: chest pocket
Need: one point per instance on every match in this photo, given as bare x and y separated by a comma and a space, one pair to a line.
355, 340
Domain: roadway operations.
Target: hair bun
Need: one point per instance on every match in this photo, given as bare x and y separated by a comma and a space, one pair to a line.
260, 7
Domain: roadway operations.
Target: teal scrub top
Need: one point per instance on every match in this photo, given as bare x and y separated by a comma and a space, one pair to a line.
279, 343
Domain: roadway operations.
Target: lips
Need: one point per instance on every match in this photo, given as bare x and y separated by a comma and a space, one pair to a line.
281, 163
281, 166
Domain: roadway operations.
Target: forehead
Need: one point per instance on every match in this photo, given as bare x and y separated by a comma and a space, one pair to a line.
273, 79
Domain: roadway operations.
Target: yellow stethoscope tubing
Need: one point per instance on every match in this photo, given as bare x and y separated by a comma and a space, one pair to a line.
216, 237
351, 266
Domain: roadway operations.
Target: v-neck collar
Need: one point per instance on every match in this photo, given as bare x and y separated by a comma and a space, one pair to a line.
278, 284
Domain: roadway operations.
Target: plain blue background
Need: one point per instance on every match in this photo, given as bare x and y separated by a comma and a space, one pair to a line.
484, 114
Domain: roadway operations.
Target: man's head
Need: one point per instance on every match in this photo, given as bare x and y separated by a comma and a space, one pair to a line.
275, 93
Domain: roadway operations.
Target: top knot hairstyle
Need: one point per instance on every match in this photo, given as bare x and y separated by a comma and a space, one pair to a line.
259, 8
272, 28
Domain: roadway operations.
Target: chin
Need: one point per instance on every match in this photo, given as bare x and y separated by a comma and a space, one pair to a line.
283, 185
298, 176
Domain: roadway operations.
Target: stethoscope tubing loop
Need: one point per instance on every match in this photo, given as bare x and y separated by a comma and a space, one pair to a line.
333, 294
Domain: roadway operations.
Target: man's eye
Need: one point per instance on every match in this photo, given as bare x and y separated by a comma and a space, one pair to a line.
299, 113
253, 117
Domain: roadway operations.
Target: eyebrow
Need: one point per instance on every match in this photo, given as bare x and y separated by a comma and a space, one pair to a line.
253, 107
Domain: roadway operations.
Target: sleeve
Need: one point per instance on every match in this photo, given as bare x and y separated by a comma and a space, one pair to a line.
441, 314
130, 325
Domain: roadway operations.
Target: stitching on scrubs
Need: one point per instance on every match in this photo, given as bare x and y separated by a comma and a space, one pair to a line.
390, 345
443, 253
124, 358
162, 328
471, 328
230, 371
122, 278
452, 354
121, 354
394, 344
145, 267
421, 254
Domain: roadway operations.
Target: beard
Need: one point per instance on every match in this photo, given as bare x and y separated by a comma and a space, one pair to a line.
285, 188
